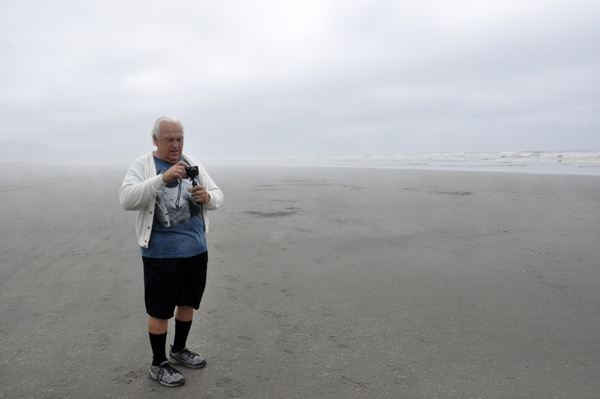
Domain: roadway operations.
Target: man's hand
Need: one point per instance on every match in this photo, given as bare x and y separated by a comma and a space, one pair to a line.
176, 171
199, 194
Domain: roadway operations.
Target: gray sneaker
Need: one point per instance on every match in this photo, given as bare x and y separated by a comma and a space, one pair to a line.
186, 358
166, 375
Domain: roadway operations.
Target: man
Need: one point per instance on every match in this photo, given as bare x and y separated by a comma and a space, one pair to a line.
171, 225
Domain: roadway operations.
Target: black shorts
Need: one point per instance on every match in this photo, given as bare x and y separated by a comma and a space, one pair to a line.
173, 282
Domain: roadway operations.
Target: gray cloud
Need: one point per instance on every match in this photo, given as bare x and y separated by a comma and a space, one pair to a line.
85, 80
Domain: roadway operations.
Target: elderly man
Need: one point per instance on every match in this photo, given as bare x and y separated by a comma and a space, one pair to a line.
171, 224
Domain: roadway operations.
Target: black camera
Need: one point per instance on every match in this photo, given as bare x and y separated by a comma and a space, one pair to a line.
191, 172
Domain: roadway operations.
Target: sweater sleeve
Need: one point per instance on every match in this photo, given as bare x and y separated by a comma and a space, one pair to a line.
216, 195
137, 192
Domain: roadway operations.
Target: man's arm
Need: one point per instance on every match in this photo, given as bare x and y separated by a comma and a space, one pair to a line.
214, 192
137, 192
215, 195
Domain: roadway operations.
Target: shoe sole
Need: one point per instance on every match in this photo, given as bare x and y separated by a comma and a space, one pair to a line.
155, 378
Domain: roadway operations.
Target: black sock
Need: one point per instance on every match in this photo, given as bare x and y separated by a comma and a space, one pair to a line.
182, 329
158, 342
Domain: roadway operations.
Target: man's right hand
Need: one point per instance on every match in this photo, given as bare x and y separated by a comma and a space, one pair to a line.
176, 171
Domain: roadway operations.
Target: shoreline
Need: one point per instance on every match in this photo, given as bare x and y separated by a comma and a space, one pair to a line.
584, 163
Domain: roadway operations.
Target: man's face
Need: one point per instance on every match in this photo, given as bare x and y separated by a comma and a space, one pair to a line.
169, 144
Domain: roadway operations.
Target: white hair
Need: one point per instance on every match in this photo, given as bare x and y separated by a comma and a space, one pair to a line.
156, 129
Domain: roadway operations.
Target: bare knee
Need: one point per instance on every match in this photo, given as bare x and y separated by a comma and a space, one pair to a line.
184, 313
157, 326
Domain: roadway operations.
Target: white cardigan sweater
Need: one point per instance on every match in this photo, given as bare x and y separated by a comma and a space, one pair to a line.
141, 185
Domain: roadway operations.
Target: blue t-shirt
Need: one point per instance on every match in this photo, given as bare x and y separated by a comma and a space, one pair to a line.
178, 227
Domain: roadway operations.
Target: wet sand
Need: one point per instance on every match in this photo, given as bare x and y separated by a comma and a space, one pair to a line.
323, 283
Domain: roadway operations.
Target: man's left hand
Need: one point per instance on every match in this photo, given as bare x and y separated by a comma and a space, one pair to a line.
199, 194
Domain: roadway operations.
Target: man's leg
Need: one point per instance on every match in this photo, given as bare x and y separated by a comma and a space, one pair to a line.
160, 302
179, 354
184, 313
157, 329
183, 322
161, 370
157, 326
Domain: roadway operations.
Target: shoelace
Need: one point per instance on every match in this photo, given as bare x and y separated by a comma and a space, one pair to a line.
187, 352
167, 368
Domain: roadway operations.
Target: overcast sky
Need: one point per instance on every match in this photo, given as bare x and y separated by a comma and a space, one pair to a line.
85, 80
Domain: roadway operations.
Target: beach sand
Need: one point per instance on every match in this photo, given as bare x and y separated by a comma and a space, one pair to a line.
323, 283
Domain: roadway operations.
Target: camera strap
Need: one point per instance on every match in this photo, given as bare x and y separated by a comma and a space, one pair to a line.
178, 193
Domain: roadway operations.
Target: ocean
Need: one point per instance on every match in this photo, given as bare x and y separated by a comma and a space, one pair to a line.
544, 162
